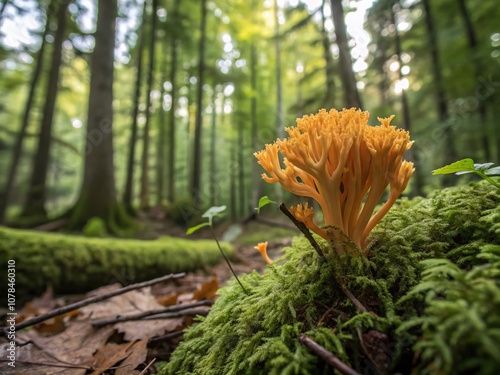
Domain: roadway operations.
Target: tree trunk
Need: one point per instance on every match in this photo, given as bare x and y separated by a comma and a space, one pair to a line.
162, 139
196, 180
173, 125
351, 94
35, 201
280, 126
256, 180
2, 9
98, 194
145, 138
405, 108
478, 69
213, 161
329, 63
129, 182
442, 106
18, 146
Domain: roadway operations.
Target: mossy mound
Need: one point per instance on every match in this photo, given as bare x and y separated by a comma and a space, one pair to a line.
95, 227
259, 333
73, 264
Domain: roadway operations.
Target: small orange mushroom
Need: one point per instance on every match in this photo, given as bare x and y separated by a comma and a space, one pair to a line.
344, 164
262, 247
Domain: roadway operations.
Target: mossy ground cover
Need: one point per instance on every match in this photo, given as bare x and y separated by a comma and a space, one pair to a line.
434, 317
73, 264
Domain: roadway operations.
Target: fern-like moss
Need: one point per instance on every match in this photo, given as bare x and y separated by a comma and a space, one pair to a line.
258, 333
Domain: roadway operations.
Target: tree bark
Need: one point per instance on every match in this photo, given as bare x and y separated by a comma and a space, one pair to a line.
478, 69
129, 182
145, 138
350, 90
280, 128
34, 205
162, 139
329, 101
213, 161
98, 194
442, 106
172, 133
18, 145
196, 179
405, 108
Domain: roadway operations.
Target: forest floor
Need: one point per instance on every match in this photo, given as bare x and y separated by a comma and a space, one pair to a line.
82, 342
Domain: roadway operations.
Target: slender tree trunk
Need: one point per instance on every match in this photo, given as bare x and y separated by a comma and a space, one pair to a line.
129, 182
35, 201
98, 193
162, 139
351, 94
173, 80
2, 9
145, 138
256, 180
196, 180
478, 69
213, 161
18, 146
280, 128
405, 108
442, 106
329, 63
241, 168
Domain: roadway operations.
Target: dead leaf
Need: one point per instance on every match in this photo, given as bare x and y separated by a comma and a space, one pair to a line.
109, 355
168, 300
138, 354
207, 290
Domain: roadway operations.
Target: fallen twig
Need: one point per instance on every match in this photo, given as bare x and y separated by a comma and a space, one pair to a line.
178, 314
143, 372
169, 309
302, 227
61, 365
74, 306
171, 335
327, 356
351, 297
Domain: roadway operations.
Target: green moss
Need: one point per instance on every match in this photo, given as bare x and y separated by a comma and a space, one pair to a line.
73, 264
95, 227
258, 333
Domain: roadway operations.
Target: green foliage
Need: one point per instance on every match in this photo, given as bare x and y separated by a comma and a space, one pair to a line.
258, 333
460, 329
467, 166
264, 201
73, 264
95, 227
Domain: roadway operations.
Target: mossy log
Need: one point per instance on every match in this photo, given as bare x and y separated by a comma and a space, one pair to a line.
73, 264
259, 333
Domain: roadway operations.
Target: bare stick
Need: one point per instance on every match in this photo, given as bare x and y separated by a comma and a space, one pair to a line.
89, 301
143, 372
327, 356
178, 314
83, 367
171, 335
351, 297
169, 309
302, 227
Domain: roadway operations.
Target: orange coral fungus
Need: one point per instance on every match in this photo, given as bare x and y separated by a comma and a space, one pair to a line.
345, 165
262, 247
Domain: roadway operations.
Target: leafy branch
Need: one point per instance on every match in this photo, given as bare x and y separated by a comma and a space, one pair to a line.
468, 166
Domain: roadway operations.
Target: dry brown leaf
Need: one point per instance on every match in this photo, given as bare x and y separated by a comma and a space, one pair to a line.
168, 300
109, 355
146, 329
73, 347
138, 354
207, 290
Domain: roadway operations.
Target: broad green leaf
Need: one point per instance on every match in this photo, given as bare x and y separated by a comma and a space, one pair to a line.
264, 201
196, 227
464, 165
213, 211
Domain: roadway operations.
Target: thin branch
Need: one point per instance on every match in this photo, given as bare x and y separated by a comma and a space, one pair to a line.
179, 314
89, 301
302, 227
83, 367
327, 356
171, 335
143, 372
227, 260
351, 297
169, 309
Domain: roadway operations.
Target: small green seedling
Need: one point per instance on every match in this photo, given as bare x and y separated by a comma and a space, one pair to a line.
467, 166
210, 214
264, 201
